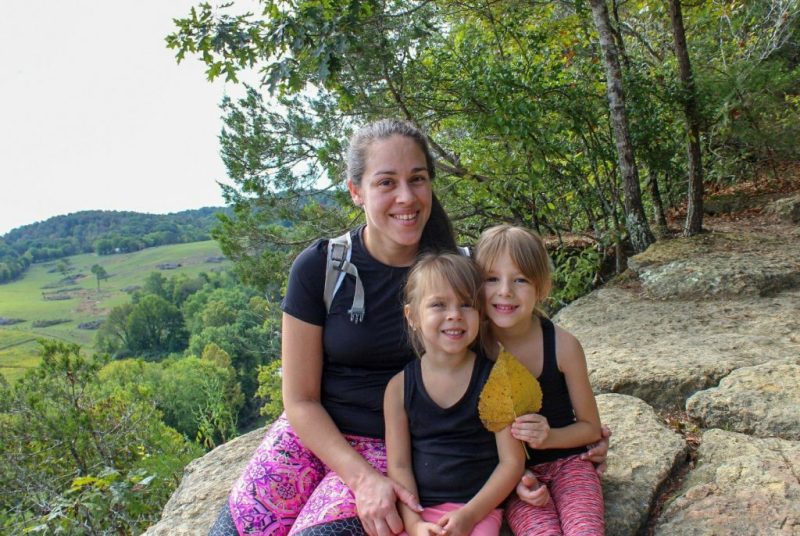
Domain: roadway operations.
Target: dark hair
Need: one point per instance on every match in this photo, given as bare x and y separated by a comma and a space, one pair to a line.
457, 271
438, 232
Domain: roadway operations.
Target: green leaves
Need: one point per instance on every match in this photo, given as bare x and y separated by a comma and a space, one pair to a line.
512, 94
81, 456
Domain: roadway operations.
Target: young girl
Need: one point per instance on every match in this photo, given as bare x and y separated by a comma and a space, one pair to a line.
516, 271
435, 442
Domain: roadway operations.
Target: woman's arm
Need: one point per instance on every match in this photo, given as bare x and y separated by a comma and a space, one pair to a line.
398, 454
302, 384
598, 452
501, 483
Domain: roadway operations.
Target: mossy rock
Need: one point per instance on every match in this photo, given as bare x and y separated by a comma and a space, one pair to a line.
726, 204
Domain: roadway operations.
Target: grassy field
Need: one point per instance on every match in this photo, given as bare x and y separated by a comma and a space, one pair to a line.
33, 298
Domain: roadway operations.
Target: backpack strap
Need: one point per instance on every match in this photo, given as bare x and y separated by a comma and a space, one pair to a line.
337, 265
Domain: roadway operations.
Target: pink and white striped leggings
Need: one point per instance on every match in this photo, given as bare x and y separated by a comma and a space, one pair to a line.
575, 506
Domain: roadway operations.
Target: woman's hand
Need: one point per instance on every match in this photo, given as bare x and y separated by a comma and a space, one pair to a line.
532, 428
531, 491
376, 500
598, 452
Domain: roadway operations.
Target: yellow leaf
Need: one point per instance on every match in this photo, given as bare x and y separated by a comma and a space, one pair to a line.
510, 391
83, 481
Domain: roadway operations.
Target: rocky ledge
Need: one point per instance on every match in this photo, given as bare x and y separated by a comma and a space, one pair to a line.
695, 359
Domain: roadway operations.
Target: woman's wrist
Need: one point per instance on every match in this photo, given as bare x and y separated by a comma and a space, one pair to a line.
359, 476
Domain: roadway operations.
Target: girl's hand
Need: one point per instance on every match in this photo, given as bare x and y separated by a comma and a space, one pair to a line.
457, 523
532, 428
598, 452
425, 528
376, 499
531, 491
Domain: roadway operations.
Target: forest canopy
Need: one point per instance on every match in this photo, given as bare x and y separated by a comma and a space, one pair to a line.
104, 232
515, 100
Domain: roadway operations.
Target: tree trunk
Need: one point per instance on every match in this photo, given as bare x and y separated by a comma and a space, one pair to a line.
694, 209
658, 206
635, 219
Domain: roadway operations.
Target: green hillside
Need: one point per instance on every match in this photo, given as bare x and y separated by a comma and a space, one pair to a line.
44, 294
105, 232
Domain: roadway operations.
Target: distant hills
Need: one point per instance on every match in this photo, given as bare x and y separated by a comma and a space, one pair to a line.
104, 232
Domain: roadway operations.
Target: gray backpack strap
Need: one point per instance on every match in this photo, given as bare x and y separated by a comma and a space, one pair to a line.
464, 250
337, 265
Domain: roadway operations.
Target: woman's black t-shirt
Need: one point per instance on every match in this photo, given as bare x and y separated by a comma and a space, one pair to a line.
358, 359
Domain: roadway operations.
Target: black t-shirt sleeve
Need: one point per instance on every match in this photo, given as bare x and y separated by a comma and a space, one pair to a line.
304, 292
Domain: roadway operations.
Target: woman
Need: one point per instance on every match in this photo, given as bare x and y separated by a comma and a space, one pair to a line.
321, 467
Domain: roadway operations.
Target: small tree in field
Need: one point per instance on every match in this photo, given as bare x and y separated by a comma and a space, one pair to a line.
100, 272
64, 267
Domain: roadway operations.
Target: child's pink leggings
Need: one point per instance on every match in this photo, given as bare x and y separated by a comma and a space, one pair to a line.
488, 526
576, 505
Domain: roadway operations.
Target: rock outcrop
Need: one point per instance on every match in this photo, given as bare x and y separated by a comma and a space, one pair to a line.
194, 506
645, 454
740, 485
699, 344
763, 401
664, 351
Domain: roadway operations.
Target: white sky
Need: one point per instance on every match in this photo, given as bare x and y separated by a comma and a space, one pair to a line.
96, 114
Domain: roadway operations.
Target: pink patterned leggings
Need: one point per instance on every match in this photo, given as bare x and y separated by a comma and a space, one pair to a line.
285, 488
576, 505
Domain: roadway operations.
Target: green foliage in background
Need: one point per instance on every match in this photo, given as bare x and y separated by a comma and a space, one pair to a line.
512, 96
80, 457
198, 397
269, 390
573, 275
212, 316
104, 232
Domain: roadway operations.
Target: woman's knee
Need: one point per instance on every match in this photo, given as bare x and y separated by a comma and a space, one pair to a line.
339, 527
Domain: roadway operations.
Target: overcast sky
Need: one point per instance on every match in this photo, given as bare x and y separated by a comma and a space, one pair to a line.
96, 114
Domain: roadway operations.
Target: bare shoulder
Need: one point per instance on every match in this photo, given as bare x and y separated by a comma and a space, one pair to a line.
566, 341
568, 348
395, 386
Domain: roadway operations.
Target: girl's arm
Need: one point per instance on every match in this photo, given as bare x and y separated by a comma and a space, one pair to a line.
375, 494
398, 454
501, 483
586, 429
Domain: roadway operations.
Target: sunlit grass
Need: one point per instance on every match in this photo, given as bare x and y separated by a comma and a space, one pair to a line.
26, 298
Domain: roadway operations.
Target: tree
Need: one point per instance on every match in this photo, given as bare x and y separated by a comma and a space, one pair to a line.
114, 335
694, 209
509, 95
269, 390
635, 219
79, 457
64, 266
198, 397
242, 325
100, 273
155, 327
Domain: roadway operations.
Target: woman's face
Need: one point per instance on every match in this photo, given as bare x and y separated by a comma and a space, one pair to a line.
396, 194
